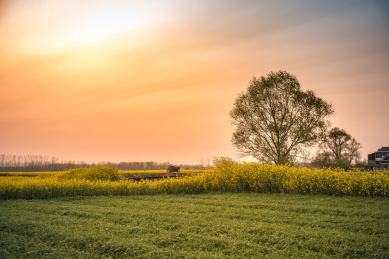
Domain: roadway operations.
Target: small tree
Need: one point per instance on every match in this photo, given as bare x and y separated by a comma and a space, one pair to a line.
274, 119
338, 149
336, 141
353, 151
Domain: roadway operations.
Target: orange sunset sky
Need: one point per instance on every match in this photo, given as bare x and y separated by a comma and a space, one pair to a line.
155, 80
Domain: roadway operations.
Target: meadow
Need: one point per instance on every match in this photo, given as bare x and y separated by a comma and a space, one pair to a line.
214, 225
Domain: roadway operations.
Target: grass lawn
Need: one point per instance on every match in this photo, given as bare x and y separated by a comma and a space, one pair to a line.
199, 226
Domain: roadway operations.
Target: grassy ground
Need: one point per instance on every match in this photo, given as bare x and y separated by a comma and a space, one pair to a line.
199, 226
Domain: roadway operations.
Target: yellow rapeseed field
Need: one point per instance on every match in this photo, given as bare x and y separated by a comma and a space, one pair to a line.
229, 176
32, 174
267, 178
120, 172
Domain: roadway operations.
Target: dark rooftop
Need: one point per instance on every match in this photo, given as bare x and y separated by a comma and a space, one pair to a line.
383, 149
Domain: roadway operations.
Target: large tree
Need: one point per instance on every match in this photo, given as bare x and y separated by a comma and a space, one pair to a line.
274, 118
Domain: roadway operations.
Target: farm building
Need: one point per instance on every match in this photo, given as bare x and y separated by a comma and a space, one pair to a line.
379, 160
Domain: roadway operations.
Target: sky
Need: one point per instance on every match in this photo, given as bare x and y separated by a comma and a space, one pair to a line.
155, 80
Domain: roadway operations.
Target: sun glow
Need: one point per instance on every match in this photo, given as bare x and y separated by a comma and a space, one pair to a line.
102, 24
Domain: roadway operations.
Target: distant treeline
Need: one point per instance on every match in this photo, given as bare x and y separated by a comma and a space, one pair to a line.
39, 163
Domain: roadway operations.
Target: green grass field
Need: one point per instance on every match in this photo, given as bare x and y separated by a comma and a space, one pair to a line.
246, 225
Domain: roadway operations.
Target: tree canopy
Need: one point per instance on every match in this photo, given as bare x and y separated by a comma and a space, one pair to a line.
274, 119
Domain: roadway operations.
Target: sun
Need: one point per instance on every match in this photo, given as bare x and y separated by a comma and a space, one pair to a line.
104, 23
94, 26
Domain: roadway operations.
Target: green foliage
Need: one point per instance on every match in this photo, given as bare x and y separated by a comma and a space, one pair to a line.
274, 119
196, 226
96, 173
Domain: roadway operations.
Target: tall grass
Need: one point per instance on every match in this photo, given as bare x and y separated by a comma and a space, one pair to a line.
229, 176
